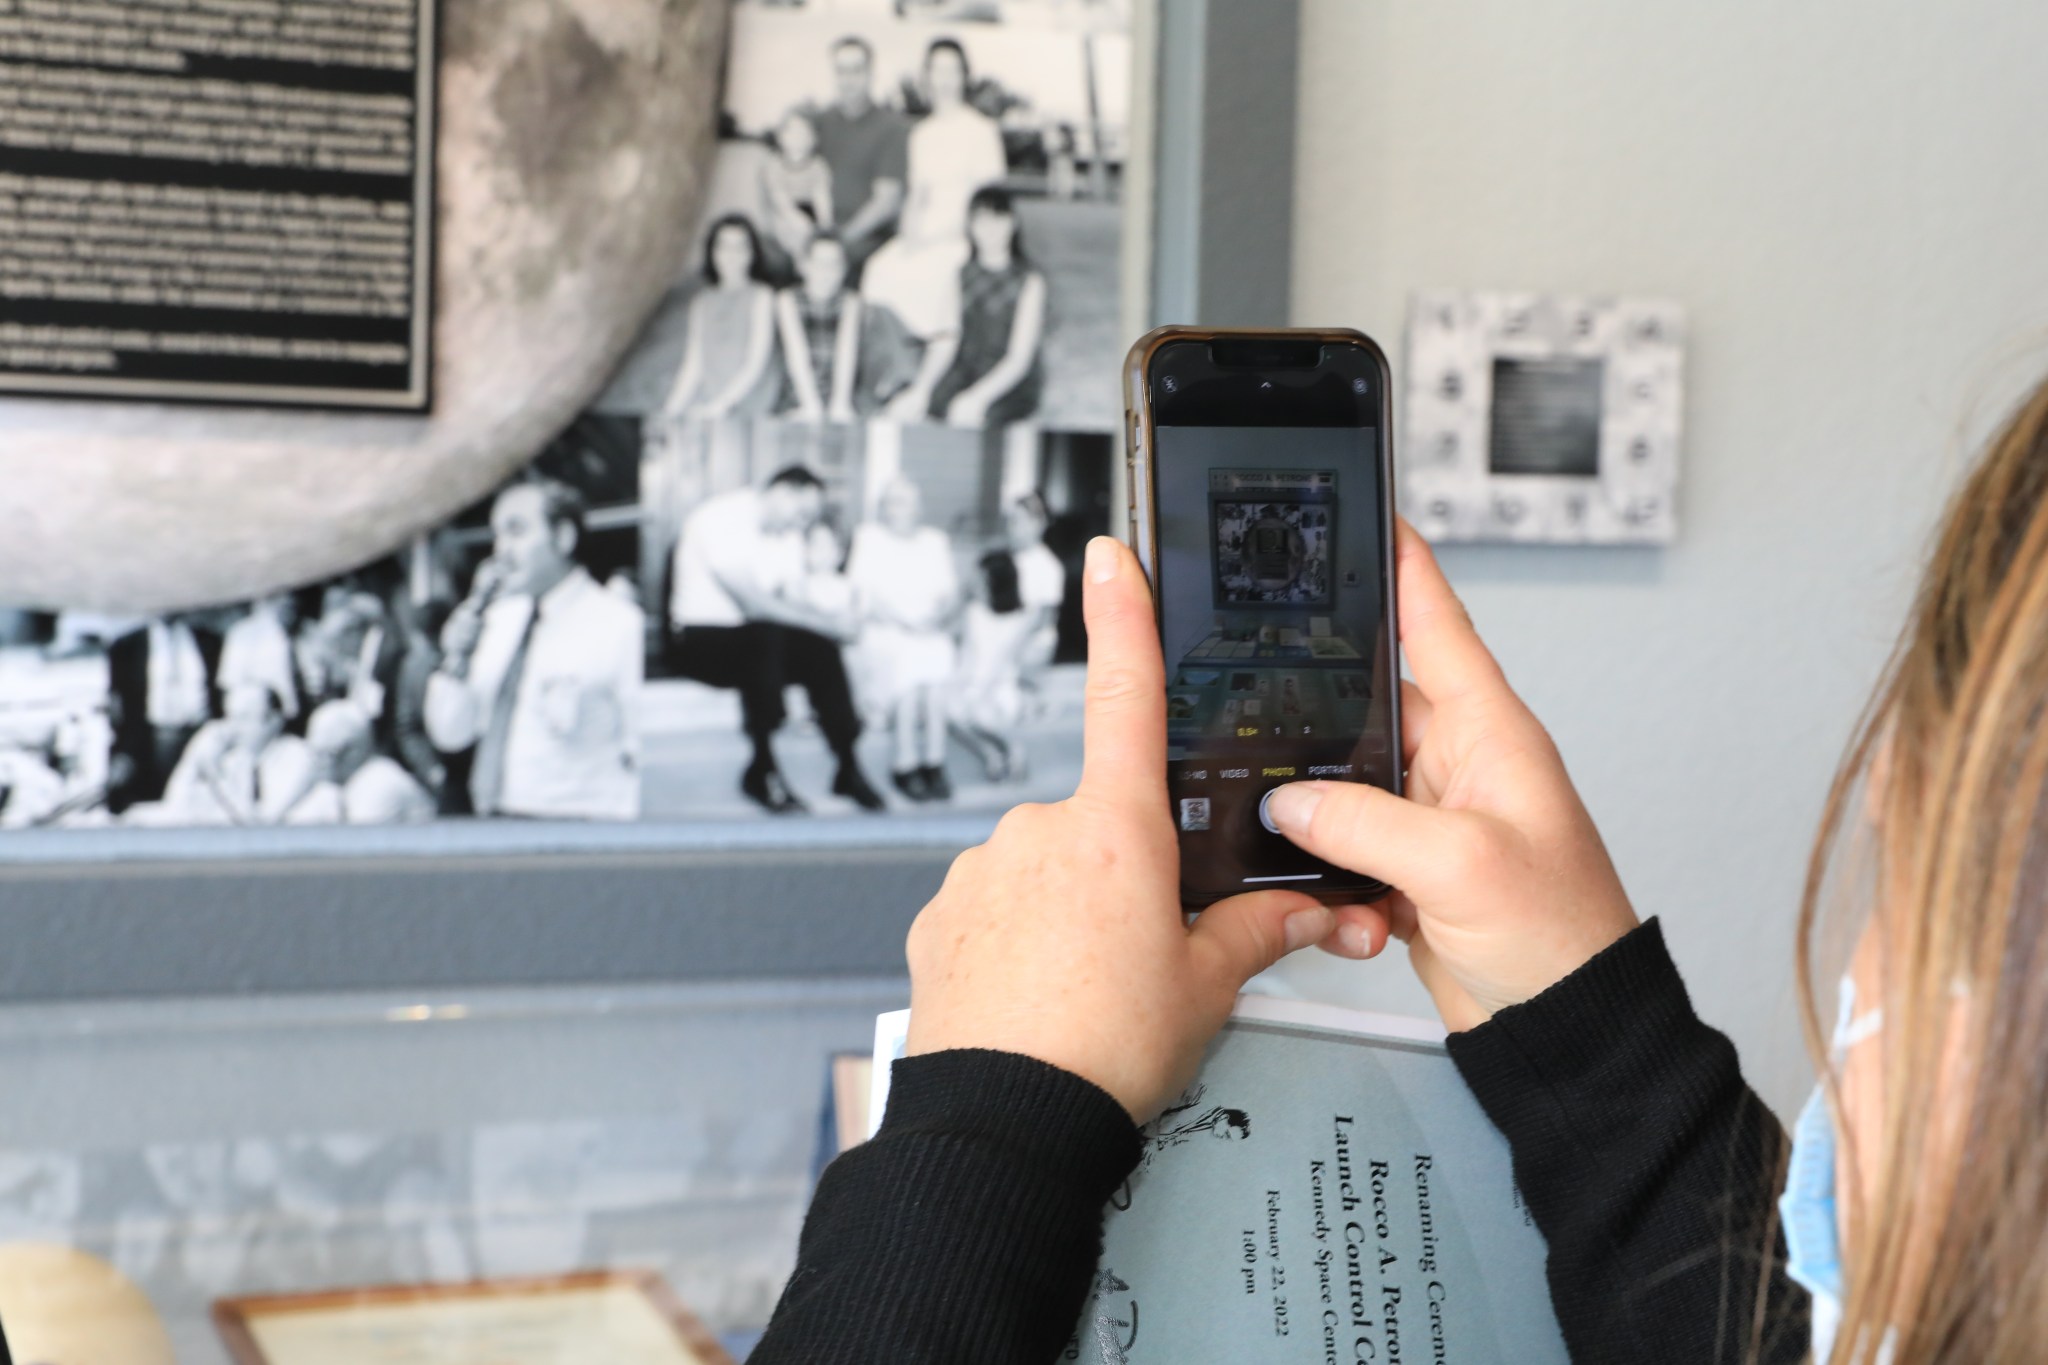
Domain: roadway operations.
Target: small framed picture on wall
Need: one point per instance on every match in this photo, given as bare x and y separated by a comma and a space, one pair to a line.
1544, 418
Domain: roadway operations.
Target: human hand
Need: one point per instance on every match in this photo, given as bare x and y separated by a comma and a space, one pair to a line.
461, 632
969, 410
909, 406
208, 749
1504, 887
1062, 937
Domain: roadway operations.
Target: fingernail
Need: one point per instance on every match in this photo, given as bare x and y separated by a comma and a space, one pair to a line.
1102, 559
1294, 805
1357, 940
1304, 927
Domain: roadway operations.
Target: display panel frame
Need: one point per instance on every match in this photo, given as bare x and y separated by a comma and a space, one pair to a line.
155, 913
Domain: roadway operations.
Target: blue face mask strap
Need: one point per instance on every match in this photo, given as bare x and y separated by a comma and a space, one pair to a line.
1807, 1208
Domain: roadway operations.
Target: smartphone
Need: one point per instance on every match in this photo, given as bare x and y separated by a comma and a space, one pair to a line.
1262, 507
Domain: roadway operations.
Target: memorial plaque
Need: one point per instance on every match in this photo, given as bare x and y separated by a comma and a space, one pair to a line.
1544, 418
222, 203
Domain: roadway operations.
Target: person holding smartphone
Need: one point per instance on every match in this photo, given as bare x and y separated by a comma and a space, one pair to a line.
1058, 1000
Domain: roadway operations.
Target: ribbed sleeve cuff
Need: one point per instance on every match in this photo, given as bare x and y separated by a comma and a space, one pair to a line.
968, 1229
1064, 1127
1615, 1025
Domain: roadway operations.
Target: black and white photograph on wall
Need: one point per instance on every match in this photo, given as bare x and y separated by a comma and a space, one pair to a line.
493, 668
874, 419
1543, 418
915, 215
888, 621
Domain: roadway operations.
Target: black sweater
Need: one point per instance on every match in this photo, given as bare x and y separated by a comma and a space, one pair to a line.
968, 1229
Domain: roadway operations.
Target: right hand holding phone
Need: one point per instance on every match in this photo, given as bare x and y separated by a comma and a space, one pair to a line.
1504, 887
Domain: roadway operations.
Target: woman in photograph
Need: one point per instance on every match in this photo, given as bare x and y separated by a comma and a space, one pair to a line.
995, 643
843, 357
796, 186
996, 373
909, 593
954, 151
731, 330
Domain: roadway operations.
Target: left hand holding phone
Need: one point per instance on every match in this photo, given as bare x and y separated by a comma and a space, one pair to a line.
1062, 937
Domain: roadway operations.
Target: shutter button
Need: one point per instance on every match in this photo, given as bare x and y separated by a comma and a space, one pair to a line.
1266, 812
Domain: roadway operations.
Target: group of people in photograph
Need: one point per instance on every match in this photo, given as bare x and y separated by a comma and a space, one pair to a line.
769, 594
297, 708
882, 271
361, 701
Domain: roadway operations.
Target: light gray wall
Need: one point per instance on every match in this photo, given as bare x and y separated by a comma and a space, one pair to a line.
1849, 197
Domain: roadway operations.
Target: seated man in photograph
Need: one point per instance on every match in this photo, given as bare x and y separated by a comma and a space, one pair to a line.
866, 144
542, 671
161, 674
242, 769
352, 783
745, 624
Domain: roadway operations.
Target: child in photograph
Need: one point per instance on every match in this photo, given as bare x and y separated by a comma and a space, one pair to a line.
909, 595
796, 186
995, 370
995, 640
824, 587
727, 354
843, 357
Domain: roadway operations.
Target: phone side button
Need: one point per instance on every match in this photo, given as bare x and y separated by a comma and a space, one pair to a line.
1297, 877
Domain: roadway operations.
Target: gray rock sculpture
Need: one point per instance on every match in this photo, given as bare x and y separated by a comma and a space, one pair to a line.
575, 144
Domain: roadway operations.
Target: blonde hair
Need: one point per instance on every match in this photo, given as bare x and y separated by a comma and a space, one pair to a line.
1949, 1254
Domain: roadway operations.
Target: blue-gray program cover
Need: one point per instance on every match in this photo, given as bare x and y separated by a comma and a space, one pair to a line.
1328, 1191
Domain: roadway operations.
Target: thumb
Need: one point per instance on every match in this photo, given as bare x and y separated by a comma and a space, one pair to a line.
1369, 830
1234, 940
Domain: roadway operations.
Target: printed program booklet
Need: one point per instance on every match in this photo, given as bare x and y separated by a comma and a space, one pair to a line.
1327, 1191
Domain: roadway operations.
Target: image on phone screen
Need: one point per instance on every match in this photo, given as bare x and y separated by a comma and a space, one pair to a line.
1270, 572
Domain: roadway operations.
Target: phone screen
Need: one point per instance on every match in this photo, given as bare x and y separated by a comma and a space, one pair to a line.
1271, 570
